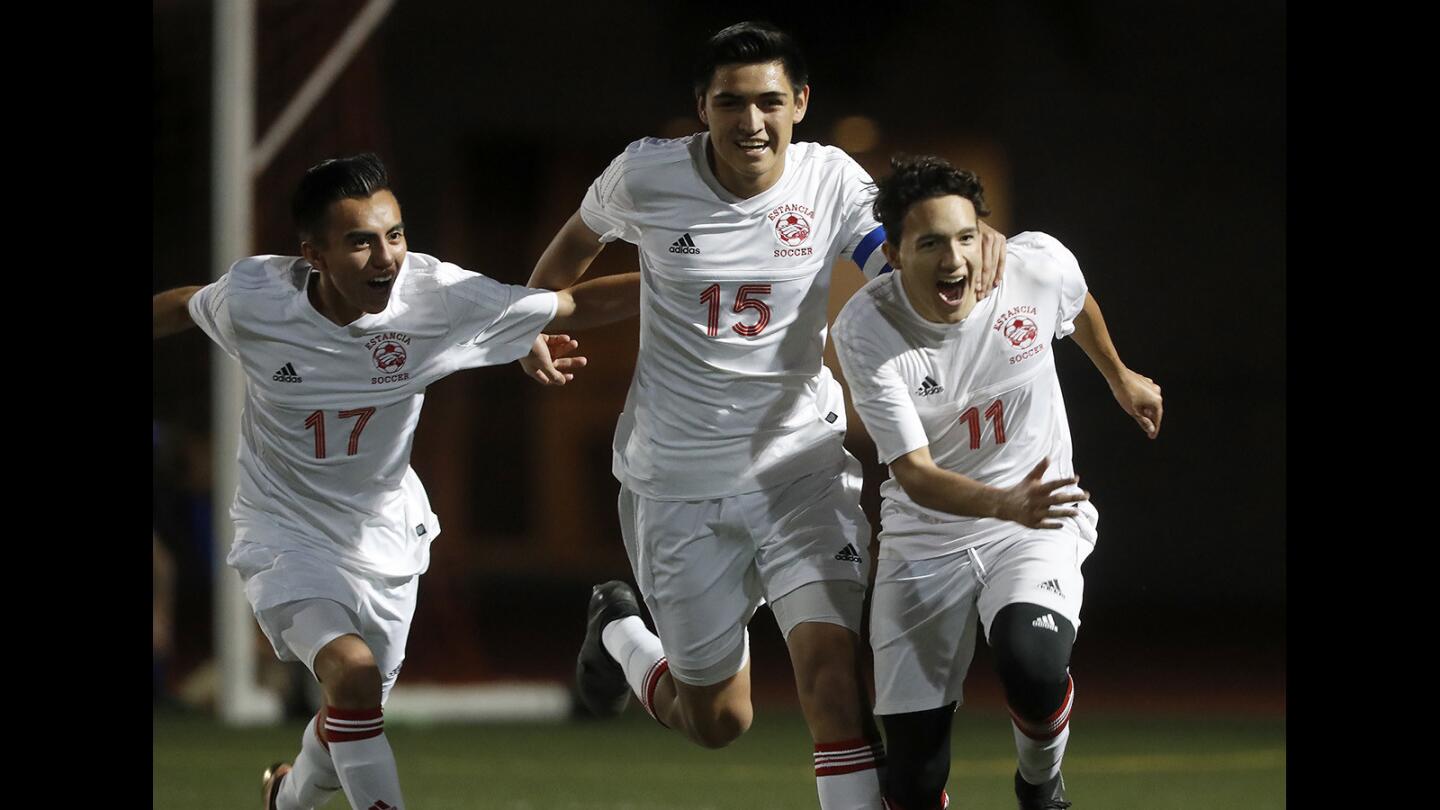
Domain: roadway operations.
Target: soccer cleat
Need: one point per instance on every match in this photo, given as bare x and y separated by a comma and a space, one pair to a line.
599, 679
270, 782
1049, 796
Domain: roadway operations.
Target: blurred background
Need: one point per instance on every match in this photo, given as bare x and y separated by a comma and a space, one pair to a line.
1148, 137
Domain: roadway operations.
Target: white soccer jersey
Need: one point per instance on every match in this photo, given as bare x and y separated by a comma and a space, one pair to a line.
330, 411
730, 394
982, 394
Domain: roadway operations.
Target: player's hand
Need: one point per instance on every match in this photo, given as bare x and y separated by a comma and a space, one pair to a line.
549, 361
1036, 504
992, 251
1139, 396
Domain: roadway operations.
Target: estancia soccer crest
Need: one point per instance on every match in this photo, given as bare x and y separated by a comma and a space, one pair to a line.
791, 223
1018, 326
388, 352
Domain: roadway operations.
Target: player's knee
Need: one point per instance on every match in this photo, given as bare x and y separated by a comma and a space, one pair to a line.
1032, 654
719, 725
348, 674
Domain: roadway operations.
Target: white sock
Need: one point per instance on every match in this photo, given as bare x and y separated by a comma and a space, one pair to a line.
1041, 746
313, 780
363, 758
637, 649
845, 774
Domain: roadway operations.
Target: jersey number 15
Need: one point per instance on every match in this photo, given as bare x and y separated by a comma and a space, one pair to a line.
743, 301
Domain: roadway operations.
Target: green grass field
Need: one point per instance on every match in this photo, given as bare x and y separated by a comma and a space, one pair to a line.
1113, 762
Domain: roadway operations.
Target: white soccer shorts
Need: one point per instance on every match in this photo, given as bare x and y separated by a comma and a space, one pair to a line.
704, 567
923, 612
303, 602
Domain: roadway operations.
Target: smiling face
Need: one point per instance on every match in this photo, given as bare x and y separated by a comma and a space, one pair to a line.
751, 111
938, 256
359, 258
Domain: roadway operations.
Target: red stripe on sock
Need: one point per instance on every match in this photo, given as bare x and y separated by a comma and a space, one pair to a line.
657, 669
843, 745
353, 736
320, 729
1050, 727
364, 724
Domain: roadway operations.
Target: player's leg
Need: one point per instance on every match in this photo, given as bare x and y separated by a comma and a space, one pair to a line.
698, 581
1031, 610
918, 758
923, 630
347, 638
814, 538
354, 726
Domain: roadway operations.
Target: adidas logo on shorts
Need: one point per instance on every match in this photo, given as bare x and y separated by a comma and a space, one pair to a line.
847, 554
1052, 585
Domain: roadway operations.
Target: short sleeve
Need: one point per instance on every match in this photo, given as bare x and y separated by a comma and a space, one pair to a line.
862, 235
879, 394
492, 323
1072, 286
210, 310
608, 208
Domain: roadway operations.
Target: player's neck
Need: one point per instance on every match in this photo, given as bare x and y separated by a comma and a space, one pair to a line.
328, 303
742, 185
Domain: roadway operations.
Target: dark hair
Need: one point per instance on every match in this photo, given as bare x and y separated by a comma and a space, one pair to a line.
750, 43
330, 181
916, 179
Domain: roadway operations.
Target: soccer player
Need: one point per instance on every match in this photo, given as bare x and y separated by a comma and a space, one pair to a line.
332, 526
963, 403
735, 486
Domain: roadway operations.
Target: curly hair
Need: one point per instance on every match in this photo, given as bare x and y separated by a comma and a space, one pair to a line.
916, 179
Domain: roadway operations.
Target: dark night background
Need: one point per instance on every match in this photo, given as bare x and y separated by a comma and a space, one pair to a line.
1149, 137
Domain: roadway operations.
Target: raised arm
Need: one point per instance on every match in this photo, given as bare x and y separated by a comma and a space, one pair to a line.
170, 311
1031, 502
1137, 394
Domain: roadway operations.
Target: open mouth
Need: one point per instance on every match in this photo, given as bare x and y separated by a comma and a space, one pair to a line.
382, 282
951, 290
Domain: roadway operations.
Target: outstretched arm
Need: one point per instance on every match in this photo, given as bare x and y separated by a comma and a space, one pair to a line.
1031, 502
1137, 394
613, 298
170, 311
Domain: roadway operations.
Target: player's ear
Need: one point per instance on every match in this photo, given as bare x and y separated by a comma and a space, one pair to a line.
891, 254
700, 110
312, 255
802, 103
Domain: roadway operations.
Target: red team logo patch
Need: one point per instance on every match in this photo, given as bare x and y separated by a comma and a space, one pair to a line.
389, 356
792, 223
388, 351
1021, 332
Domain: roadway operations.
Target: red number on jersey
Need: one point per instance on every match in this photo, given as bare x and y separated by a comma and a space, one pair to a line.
743, 301
995, 413
316, 420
